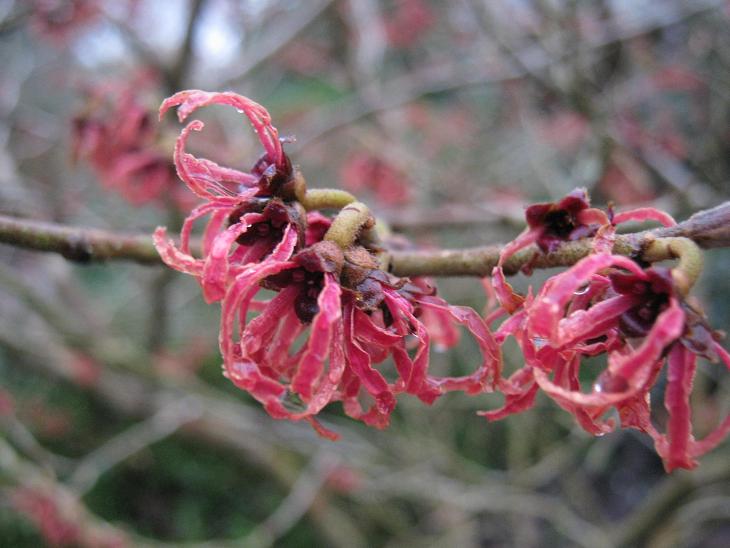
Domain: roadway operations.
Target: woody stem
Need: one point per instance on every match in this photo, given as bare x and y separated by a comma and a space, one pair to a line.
707, 229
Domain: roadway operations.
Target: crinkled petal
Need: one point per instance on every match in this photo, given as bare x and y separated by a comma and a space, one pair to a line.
215, 272
642, 214
173, 257
359, 362
206, 178
191, 100
680, 374
489, 372
548, 309
311, 365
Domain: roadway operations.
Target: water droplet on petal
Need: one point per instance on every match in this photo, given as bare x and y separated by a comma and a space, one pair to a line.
539, 342
582, 290
608, 383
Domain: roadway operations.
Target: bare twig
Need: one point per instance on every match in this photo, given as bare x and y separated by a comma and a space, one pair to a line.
295, 505
81, 245
448, 76
672, 489
497, 499
709, 229
160, 425
177, 73
274, 41
84, 528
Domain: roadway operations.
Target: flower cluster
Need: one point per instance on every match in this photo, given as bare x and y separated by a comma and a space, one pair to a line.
310, 317
116, 135
606, 304
333, 314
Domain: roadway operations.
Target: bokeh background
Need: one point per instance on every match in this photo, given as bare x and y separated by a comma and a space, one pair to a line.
447, 118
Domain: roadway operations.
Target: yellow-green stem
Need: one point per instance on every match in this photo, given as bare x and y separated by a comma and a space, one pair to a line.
690, 257
346, 227
325, 198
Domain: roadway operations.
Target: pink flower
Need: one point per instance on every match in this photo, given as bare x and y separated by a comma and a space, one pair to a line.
553, 223
43, 511
247, 218
409, 22
609, 304
116, 136
605, 304
548, 225
349, 315
366, 172
355, 317
57, 20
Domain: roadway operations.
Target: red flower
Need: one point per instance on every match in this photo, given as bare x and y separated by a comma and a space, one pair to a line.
553, 223
61, 521
609, 304
246, 220
117, 138
350, 330
606, 304
351, 315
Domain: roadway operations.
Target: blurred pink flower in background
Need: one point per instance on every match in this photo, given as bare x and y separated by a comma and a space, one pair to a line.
116, 134
58, 20
367, 173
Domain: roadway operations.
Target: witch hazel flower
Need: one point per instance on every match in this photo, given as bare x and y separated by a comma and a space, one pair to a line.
335, 315
640, 319
645, 325
551, 224
247, 217
355, 316
548, 225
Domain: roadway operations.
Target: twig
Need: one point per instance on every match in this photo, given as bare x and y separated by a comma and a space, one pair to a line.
224, 423
295, 505
497, 499
159, 426
83, 528
444, 77
24, 439
709, 229
177, 73
75, 244
276, 41
663, 499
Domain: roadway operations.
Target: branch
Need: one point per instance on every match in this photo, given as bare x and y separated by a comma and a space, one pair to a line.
159, 426
301, 497
709, 229
178, 71
77, 244
272, 43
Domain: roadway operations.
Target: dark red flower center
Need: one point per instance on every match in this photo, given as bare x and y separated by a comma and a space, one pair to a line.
558, 222
277, 215
653, 294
